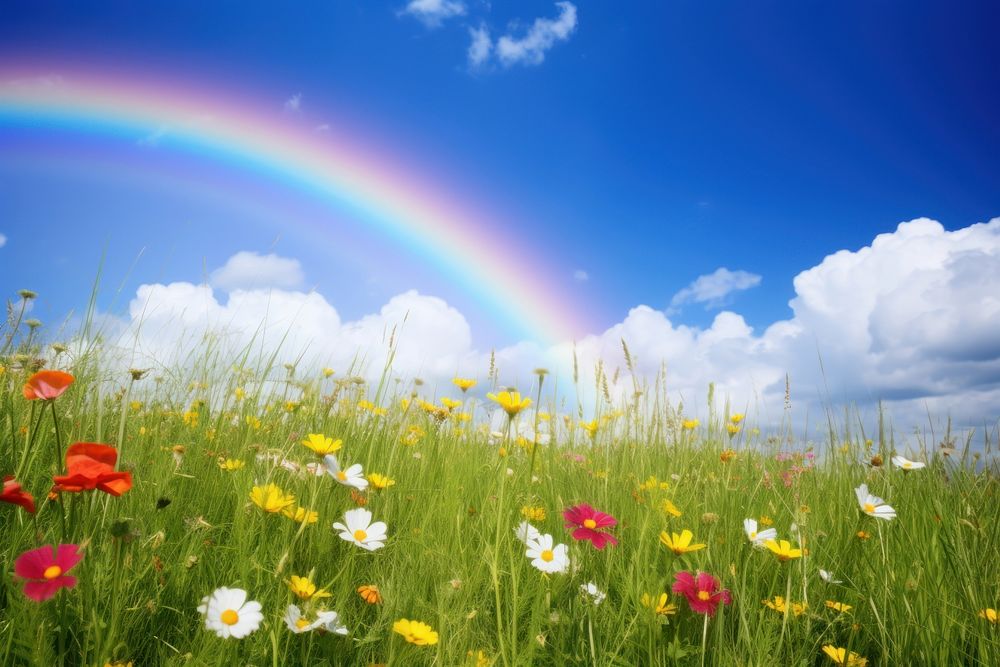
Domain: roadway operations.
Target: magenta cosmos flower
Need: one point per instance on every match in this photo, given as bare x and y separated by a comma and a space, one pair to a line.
588, 523
702, 591
44, 570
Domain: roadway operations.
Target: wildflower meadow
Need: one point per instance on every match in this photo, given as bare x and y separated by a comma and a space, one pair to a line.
236, 513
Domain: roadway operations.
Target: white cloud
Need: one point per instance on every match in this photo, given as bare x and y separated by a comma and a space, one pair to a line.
544, 33
249, 270
713, 288
479, 49
294, 103
432, 13
581, 276
3, 240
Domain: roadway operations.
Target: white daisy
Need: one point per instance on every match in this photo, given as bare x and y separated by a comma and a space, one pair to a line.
906, 464
352, 476
873, 505
358, 528
526, 533
325, 620
591, 591
828, 577
758, 538
228, 614
546, 557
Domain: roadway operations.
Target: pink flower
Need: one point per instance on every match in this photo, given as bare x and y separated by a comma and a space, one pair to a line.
589, 522
44, 570
701, 592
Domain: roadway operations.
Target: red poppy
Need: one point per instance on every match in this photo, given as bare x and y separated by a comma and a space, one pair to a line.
47, 385
702, 592
92, 466
12, 493
589, 522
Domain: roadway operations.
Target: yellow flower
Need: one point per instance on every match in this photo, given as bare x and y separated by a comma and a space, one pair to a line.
270, 498
414, 434
415, 632
765, 521
367, 406
450, 403
322, 445
327, 372
305, 589
862, 535
380, 481
135, 406
533, 513
479, 659
840, 656
511, 402
783, 550
230, 465
301, 515
779, 605
667, 507
733, 428
680, 544
838, 606
736, 419
590, 427
190, 418
727, 455
370, 593
660, 605
465, 384
239, 393
990, 615
253, 422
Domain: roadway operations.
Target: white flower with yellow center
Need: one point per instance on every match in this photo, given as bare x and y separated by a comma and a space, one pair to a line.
228, 613
547, 556
906, 464
873, 505
352, 476
758, 537
526, 533
358, 528
325, 620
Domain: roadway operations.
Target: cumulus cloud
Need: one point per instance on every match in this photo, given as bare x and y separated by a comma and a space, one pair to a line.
480, 47
249, 270
713, 288
530, 48
3, 240
432, 13
294, 103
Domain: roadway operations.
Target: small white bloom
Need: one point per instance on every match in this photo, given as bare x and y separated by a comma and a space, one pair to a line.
228, 613
526, 532
352, 476
326, 620
546, 556
907, 464
873, 505
758, 538
358, 528
828, 577
591, 591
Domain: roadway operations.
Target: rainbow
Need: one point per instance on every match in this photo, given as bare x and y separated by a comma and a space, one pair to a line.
468, 248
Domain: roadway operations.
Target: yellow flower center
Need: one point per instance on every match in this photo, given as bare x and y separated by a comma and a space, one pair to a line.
589, 523
341, 475
229, 617
52, 571
360, 535
869, 508
547, 555
907, 465
704, 596
301, 623
753, 534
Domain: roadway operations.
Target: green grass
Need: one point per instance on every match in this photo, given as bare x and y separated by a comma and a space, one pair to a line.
915, 585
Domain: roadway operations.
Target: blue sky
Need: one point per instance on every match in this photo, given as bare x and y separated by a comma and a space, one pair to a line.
651, 144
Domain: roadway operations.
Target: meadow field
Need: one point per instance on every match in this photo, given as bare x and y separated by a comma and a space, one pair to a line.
225, 512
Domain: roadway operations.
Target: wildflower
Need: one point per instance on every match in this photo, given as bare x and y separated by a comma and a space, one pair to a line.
465, 384
47, 385
840, 656
736, 418
778, 604
228, 613
305, 589
546, 556
838, 606
702, 592
862, 535
590, 427
758, 538
591, 591
526, 532
906, 464
450, 403
321, 444
873, 505
327, 372
511, 402
415, 632
370, 593
828, 577
680, 544
271, 499
533, 513
990, 615
589, 523
733, 429
690, 424
12, 493
358, 528
766, 521
727, 455
668, 507
479, 659
44, 570
380, 481
92, 466
351, 476
660, 605
301, 514
325, 620
782, 549
230, 465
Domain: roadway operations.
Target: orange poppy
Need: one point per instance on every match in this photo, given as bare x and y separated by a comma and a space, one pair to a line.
92, 466
370, 594
12, 493
47, 385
